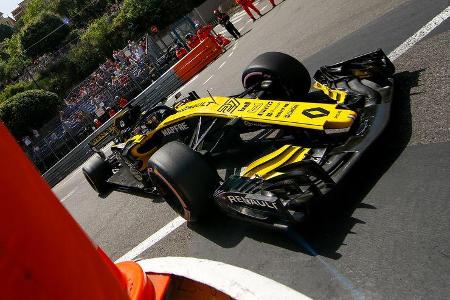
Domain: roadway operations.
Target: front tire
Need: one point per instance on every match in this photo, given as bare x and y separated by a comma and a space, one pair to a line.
184, 179
291, 80
97, 171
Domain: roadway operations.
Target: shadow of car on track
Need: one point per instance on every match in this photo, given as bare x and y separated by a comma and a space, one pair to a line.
331, 219
138, 194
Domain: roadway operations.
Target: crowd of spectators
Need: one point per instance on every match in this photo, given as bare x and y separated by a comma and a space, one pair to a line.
105, 86
98, 98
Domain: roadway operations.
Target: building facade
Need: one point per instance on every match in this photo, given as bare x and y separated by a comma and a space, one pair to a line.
20, 10
7, 21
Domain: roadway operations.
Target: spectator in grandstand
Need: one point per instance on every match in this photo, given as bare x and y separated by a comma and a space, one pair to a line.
122, 102
143, 46
97, 123
119, 57
111, 112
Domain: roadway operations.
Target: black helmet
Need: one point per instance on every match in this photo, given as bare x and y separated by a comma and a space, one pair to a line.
189, 36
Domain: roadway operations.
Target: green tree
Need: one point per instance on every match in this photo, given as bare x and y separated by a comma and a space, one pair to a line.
15, 61
13, 89
29, 109
81, 12
5, 32
43, 34
136, 16
33, 10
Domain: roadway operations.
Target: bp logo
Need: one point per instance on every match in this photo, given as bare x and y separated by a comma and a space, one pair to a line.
316, 112
229, 106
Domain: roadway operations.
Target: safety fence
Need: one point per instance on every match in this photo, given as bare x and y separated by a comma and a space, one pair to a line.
158, 91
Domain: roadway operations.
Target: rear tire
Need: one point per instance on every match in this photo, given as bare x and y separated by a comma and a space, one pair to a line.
184, 179
97, 171
290, 77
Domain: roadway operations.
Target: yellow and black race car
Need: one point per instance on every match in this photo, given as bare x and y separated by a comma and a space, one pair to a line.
264, 155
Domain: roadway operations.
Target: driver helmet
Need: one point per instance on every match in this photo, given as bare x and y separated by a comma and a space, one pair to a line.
216, 12
189, 36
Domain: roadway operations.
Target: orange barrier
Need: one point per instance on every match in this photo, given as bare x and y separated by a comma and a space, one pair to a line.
197, 59
44, 254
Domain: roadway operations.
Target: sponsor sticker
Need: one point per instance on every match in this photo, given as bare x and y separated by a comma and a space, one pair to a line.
251, 202
175, 129
291, 111
255, 108
245, 106
229, 106
269, 114
194, 105
265, 108
103, 135
281, 110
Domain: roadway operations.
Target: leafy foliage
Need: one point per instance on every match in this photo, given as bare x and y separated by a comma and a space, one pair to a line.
29, 110
12, 89
14, 61
36, 39
137, 16
5, 32
93, 31
81, 12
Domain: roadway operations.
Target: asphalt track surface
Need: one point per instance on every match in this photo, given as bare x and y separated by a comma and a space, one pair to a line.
385, 234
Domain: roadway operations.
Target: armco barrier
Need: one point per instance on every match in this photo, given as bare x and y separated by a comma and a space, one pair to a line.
190, 65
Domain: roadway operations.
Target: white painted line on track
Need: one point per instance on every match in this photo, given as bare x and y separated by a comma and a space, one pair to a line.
237, 16
223, 64
238, 20
208, 79
68, 195
177, 222
249, 21
420, 34
231, 54
240, 29
264, 7
153, 239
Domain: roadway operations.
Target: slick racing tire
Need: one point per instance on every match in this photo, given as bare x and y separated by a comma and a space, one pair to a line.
184, 179
290, 77
97, 171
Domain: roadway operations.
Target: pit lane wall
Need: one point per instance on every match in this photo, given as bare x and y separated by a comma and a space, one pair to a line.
179, 74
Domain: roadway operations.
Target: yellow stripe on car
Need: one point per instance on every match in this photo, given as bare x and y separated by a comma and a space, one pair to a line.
337, 95
309, 115
265, 166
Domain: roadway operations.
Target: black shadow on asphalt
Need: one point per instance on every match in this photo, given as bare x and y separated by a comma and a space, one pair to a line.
332, 219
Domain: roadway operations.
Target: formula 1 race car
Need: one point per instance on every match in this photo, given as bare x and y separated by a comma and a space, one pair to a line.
266, 154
